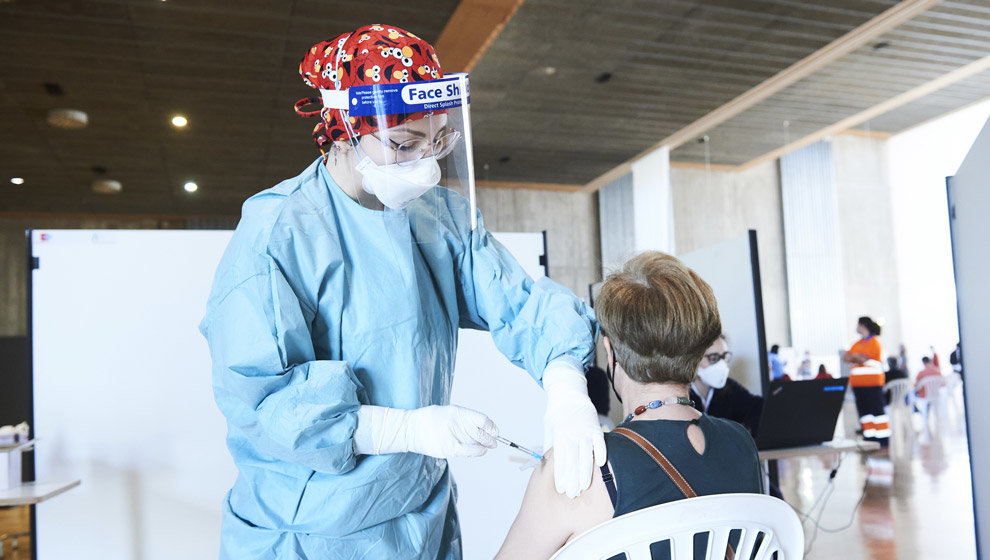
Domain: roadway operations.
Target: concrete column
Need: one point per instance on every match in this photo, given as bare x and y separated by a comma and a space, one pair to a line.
714, 206
570, 220
866, 231
636, 211
653, 205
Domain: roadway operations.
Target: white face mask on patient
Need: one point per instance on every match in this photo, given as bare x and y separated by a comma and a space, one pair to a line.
715, 375
397, 185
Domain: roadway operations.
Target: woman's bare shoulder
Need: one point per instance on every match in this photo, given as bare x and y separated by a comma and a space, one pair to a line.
547, 520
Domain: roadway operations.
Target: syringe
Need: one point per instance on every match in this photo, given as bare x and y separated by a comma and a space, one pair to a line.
519, 447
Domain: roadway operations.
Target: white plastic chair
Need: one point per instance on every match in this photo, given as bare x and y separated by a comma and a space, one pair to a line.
901, 393
902, 432
718, 515
933, 401
955, 401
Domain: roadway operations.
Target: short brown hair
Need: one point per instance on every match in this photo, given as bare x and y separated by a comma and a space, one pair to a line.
660, 317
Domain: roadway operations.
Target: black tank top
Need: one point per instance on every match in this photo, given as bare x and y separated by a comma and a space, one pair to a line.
728, 465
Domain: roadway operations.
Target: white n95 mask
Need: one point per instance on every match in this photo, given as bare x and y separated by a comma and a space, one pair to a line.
715, 375
397, 185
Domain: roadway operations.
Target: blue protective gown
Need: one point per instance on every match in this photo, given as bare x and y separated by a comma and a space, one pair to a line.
320, 305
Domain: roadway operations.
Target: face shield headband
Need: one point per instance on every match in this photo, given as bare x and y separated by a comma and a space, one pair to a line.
381, 103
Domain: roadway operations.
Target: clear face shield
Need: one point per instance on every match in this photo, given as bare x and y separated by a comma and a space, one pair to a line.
414, 164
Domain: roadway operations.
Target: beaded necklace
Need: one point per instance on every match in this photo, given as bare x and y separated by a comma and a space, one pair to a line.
657, 404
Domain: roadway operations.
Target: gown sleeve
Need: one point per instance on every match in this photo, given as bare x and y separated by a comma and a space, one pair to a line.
533, 323
267, 381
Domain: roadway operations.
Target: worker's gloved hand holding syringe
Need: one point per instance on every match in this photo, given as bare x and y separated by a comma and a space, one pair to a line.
437, 431
572, 429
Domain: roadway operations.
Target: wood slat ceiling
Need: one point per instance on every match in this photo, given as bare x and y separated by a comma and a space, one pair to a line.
944, 39
961, 94
231, 68
671, 62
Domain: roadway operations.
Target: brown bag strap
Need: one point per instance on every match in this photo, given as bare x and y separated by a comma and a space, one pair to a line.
666, 465
668, 468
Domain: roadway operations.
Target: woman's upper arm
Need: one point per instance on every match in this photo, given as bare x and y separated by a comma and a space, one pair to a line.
536, 531
546, 519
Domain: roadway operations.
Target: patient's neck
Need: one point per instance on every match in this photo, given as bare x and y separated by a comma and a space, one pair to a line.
640, 394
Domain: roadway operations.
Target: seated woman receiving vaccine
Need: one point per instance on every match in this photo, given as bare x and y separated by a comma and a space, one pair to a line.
658, 318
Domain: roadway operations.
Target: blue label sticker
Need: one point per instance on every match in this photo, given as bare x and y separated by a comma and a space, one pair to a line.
413, 97
834, 388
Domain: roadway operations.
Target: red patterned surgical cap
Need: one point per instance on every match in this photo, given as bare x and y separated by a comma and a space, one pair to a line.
373, 54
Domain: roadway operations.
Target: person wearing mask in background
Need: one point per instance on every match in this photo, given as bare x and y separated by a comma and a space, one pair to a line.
776, 366
657, 317
867, 379
716, 394
333, 320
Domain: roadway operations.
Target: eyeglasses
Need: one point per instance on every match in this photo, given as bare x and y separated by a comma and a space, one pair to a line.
412, 150
714, 357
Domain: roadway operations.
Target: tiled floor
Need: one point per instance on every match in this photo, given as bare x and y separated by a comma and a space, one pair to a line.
915, 504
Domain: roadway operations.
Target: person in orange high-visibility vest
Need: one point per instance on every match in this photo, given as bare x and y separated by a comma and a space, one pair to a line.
866, 377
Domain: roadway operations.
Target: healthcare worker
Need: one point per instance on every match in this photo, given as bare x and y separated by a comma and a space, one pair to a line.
866, 377
333, 320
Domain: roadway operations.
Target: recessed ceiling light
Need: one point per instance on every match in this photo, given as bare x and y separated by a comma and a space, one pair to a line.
179, 121
190, 187
548, 70
107, 186
17, 180
68, 118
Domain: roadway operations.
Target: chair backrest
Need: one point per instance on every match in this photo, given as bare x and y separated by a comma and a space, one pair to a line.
753, 522
930, 386
899, 389
952, 381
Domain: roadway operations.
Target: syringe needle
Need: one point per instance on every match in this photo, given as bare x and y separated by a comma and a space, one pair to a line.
519, 447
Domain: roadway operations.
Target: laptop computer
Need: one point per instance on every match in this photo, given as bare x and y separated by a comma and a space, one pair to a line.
800, 413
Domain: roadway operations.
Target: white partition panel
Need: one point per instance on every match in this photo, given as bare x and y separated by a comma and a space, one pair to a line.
122, 394
123, 399
490, 488
969, 204
732, 269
